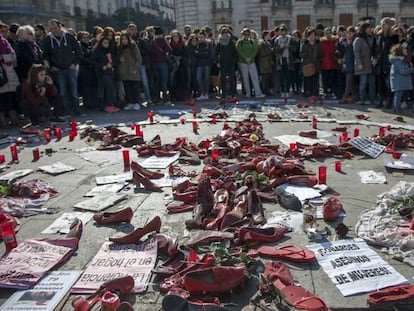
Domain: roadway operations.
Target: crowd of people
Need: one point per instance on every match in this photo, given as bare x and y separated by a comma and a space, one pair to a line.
46, 70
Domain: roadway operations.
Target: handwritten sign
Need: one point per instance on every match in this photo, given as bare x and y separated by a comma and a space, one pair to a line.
354, 267
25, 265
114, 261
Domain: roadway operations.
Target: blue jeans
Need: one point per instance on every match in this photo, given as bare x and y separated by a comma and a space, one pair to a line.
160, 71
203, 79
67, 83
396, 102
145, 85
367, 80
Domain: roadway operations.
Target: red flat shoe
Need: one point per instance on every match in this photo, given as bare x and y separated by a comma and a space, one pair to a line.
107, 218
135, 236
254, 234
145, 172
288, 252
403, 294
138, 178
217, 279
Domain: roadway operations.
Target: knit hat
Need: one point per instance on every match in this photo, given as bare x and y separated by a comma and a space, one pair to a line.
158, 30
283, 27
245, 31
388, 21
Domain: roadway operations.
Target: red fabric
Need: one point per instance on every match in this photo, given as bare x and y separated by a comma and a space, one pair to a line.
328, 60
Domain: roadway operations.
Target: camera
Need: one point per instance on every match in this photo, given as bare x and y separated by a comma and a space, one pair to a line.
38, 87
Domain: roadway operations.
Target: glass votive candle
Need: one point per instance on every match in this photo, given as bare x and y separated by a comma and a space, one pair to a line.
151, 116
356, 132
194, 111
182, 120
14, 154
322, 175
381, 131
292, 146
338, 166
71, 135
47, 134
137, 129
2, 158
214, 155
36, 154
125, 156
58, 133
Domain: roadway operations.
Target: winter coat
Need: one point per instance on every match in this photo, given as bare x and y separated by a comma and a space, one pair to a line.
312, 54
99, 59
247, 50
265, 57
225, 54
87, 72
281, 51
400, 78
8, 61
129, 63
61, 53
26, 58
348, 65
204, 54
329, 60
159, 50
31, 97
363, 52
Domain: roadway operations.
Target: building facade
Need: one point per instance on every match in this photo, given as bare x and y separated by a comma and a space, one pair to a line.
74, 12
296, 14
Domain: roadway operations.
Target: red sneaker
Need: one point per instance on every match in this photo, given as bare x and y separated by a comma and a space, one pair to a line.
111, 109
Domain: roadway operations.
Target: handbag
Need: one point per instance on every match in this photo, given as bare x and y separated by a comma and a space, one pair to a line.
3, 75
308, 70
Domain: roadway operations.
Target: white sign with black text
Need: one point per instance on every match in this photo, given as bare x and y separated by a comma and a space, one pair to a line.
354, 267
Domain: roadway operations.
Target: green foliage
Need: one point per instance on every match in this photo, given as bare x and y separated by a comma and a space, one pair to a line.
5, 189
224, 258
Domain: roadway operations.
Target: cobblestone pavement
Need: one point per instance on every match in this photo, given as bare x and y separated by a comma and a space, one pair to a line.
354, 195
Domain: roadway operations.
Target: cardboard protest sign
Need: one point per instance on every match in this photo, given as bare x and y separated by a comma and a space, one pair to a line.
354, 267
25, 265
114, 261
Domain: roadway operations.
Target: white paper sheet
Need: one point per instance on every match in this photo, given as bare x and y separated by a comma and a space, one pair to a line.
56, 168
372, 177
63, 223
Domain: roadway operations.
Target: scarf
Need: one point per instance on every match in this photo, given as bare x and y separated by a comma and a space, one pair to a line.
224, 40
33, 48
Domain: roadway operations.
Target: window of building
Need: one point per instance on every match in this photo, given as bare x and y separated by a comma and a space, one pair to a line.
407, 20
282, 3
322, 2
280, 22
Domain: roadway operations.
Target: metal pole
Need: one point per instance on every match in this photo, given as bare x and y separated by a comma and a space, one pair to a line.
127, 3
367, 7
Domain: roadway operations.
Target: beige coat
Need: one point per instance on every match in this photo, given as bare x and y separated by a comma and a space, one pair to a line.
8, 61
129, 64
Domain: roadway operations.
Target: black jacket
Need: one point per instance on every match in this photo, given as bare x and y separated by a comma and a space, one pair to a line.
26, 58
63, 53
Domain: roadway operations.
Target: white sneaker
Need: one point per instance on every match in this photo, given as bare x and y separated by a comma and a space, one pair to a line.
130, 106
136, 106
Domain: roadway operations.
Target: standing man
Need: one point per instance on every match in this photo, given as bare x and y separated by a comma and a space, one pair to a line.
143, 46
62, 53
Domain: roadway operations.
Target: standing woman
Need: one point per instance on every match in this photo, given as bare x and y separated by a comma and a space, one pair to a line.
297, 63
8, 90
129, 65
27, 51
87, 80
204, 53
176, 69
103, 59
311, 53
265, 55
189, 63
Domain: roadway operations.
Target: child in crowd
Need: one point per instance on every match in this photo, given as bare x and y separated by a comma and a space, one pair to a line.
35, 93
400, 79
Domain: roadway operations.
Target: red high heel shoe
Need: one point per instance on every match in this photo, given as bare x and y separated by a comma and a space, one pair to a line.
135, 236
145, 172
119, 286
138, 178
107, 218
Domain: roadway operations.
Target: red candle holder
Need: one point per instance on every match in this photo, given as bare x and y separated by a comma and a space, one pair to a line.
58, 133
214, 155
73, 126
341, 139
314, 123
71, 135
14, 154
151, 117
292, 146
137, 129
36, 154
345, 136
207, 143
338, 166
195, 127
2, 158
47, 135
356, 132
182, 120
125, 156
214, 120
381, 131
132, 126
9, 235
225, 126
194, 111
322, 175
389, 127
